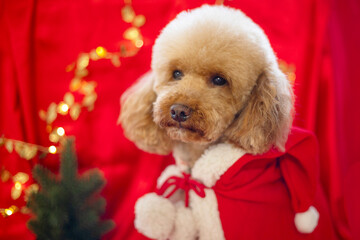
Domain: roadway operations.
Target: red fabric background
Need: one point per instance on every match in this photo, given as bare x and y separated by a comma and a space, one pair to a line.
39, 38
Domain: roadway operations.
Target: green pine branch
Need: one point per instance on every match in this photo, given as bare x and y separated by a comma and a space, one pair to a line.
68, 206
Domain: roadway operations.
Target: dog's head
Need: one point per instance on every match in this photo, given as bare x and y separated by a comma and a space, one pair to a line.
214, 78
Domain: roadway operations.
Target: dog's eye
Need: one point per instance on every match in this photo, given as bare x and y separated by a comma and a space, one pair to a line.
219, 81
177, 75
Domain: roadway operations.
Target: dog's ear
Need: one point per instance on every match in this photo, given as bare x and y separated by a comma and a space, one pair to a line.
136, 117
266, 117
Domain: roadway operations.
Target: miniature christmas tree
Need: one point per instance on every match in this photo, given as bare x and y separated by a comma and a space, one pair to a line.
68, 206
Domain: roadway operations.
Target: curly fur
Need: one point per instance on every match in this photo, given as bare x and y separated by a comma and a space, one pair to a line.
252, 111
136, 117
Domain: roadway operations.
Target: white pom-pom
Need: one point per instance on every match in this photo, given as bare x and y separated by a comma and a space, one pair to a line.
154, 216
306, 222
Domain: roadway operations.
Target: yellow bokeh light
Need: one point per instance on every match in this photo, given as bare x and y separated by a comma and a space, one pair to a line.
131, 33
75, 84
60, 131
52, 149
18, 185
292, 77
101, 52
139, 43
63, 108
83, 61
54, 137
139, 20
8, 212
128, 13
48, 128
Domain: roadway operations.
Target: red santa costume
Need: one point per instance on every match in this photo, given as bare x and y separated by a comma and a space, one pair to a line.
234, 195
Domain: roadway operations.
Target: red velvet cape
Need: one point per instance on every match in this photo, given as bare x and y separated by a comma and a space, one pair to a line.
259, 195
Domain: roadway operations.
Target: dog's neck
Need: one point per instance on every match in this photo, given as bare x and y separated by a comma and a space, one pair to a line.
186, 154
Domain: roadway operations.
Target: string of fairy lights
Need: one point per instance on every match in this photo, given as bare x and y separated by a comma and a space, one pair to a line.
73, 107
69, 105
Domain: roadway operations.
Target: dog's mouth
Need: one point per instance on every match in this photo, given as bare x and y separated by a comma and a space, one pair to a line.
184, 132
190, 128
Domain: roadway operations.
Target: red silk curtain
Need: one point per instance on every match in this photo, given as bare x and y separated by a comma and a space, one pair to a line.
39, 38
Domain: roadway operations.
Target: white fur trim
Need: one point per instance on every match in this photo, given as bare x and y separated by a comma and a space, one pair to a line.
171, 170
207, 216
215, 161
306, 222
154, 216
185, 227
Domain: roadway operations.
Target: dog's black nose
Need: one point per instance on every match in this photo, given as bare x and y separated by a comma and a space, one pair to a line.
180, 112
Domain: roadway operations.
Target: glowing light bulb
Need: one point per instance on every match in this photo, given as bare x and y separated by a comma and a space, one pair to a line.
18, 185
101, 52
8, 212
63, 108
52, 149
60, 131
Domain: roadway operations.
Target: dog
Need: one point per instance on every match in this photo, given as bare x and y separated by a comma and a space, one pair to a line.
217, 100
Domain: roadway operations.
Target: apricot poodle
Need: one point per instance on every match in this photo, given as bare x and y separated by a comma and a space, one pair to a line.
214, 78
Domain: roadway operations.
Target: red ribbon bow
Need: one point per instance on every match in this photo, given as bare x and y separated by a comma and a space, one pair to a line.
185, 183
